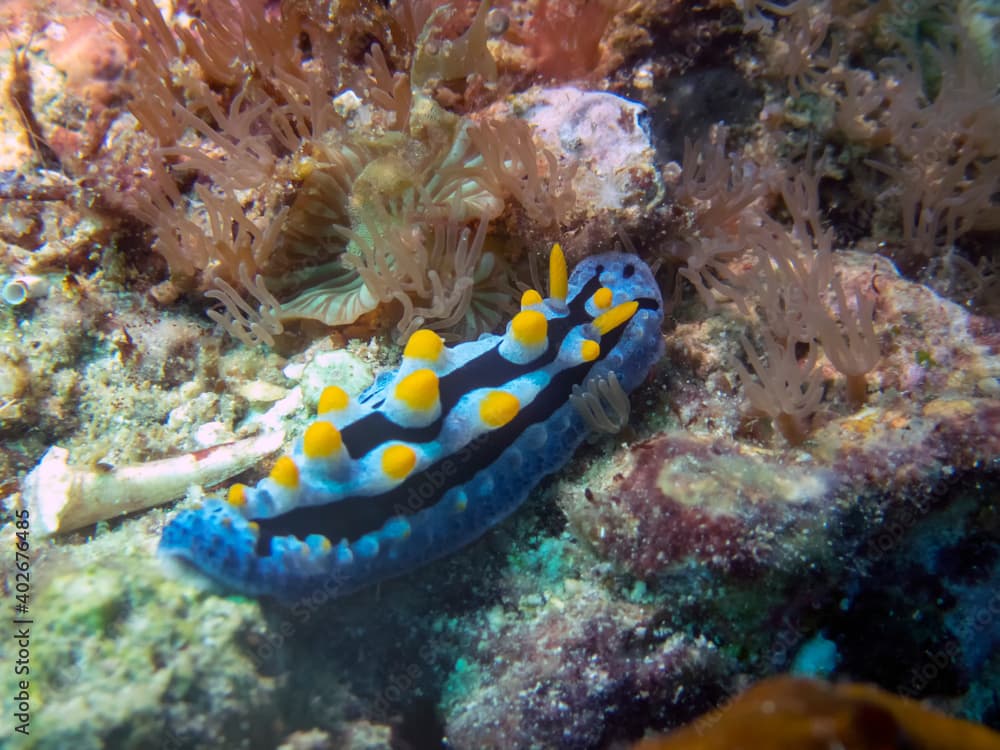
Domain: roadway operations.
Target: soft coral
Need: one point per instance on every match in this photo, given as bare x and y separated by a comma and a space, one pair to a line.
564, 38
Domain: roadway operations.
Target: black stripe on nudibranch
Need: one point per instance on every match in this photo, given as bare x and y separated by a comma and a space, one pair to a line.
353, 517
488, 370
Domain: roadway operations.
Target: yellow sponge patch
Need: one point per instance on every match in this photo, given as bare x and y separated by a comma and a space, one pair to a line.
333, 398
424, 344
590, 350
321, 440
237, 495
609, 321
603, 298
498, 408
558, 275
398, 461
285, 473
529, 328
419, 390
529, 298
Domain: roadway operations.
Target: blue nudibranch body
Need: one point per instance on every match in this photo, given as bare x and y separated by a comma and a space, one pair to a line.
431, 458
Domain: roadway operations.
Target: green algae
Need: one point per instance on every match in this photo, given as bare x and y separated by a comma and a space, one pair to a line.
125, 657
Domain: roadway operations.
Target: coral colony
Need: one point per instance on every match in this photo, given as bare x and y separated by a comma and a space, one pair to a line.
500, 373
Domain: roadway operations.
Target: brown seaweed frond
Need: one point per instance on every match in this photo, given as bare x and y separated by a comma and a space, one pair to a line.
250, 325
849, 340
237, 240
429, 267
306, 113
940, 203
235, 47
753, 12
439, 58
510, 167
715, 186
710, 269
795, 39
564, 37
389, 90
794, 264
235, 43
218, 54
412, 16
223, 238
946, 176
179, 240
321, 202
722, 195
154, 47
458, 179
247, 159
789, 393
230, 97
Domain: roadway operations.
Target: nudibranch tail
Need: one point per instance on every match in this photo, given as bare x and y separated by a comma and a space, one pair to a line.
436, 454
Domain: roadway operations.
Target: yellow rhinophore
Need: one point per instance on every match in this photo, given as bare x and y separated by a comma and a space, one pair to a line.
333, 398
609, 321
419, 390
398, 461
529, 328
321, 440
558, 275
424, 344
529, 298
285, 473
498, 408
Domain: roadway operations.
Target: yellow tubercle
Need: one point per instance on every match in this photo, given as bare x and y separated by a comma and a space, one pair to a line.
498, 408
590, 350
424, 344
326, 545
609, 321
321, 440
333, 398
603, 298
558, 275
237, 495
254, 527
285, 473
529, 328
398, 461
419, 390
529, 298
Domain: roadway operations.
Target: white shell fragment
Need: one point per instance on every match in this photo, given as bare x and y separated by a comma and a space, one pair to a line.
19, 289
606, 134
62, 498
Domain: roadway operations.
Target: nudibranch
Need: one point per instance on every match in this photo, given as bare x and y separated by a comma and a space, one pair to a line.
433, 456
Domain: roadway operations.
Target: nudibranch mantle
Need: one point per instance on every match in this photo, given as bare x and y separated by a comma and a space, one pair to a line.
437, 453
